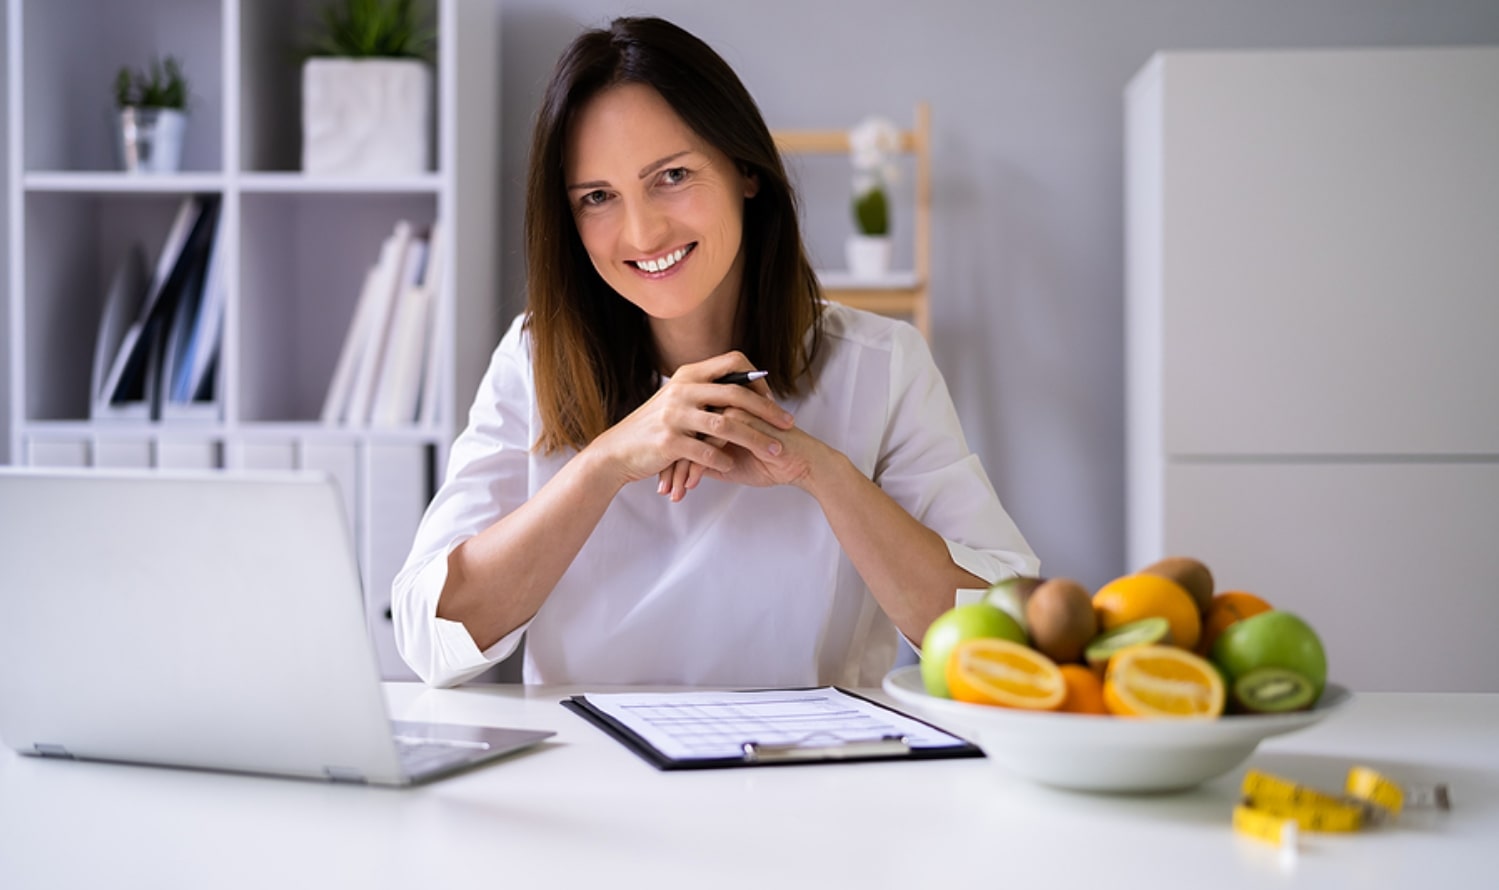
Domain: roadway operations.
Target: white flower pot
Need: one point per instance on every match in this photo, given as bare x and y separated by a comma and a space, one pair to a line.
151, 139
366, 117
868, 255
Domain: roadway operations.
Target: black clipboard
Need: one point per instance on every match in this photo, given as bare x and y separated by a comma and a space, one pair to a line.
753, 754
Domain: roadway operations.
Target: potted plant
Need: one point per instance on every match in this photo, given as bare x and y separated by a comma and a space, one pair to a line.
871, 145
367, 90
152, 113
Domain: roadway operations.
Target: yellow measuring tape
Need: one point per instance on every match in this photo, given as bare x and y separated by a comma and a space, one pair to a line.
1275, 809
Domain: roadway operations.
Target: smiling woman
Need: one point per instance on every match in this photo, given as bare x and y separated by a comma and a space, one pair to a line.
621, 503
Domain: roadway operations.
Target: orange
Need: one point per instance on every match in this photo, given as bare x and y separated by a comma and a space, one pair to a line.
1084, 690
1162, 681
991, 671
1133, 597
1229, 607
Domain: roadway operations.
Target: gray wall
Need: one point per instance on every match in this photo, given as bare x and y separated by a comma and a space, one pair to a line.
1028, 266
1027, 254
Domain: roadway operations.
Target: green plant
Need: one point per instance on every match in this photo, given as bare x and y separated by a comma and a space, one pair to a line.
160, 85
373, 29
872, 211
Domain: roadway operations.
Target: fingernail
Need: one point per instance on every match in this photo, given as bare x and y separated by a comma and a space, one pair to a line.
774, 449
786, 417
661, 487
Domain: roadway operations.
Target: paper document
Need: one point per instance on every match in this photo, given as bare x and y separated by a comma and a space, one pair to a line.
714, 725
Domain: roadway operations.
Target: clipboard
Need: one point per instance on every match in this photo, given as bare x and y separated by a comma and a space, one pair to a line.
769, 727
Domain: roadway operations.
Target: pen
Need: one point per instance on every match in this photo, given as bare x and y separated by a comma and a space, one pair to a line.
742, 377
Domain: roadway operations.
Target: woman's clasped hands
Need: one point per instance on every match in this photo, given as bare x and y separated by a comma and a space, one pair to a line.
693, 427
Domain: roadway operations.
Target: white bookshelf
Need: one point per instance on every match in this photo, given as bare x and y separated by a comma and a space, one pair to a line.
295, 247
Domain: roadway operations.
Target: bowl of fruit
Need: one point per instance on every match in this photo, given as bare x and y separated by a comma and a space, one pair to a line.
1154, 682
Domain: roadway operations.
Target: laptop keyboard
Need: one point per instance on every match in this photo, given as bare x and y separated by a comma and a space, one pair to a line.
419, 754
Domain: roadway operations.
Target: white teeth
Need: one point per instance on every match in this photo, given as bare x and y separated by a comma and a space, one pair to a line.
665, 262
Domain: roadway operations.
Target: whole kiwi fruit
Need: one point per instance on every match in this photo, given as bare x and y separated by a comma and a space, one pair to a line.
1060, 617
1192, 574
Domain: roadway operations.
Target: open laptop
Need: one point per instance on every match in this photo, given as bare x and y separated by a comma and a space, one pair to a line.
203, 620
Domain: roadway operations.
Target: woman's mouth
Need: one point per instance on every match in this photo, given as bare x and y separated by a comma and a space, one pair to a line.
666, 262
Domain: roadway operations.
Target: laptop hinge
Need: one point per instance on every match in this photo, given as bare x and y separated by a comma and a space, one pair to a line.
344, 774
46, 750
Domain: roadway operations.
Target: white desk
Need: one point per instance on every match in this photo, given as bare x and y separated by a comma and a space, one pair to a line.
582, 811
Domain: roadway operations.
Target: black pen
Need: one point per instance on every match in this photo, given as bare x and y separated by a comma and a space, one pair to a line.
742, 378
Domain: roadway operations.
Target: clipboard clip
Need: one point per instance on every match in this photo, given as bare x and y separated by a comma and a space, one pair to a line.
885, 746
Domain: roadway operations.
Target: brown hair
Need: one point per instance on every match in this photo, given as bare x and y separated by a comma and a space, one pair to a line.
593, 357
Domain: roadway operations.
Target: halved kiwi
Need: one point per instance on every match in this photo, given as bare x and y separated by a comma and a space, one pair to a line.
1272, 690
1136, 633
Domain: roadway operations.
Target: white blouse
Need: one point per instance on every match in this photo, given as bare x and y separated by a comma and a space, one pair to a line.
733, 586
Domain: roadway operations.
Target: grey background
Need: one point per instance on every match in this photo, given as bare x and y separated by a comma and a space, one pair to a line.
1027, 253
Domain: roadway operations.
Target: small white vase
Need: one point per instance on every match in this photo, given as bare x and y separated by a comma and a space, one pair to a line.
151, 139
868, 255
366, 117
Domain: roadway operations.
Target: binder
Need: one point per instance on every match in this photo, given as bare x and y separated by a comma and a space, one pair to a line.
883, 732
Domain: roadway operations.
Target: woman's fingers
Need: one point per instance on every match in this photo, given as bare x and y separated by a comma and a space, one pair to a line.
679, 473
737, 426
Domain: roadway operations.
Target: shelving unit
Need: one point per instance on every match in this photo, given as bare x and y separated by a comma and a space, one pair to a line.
295, 248
901, 293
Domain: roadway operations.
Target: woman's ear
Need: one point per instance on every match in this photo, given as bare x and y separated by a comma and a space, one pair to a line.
751, 181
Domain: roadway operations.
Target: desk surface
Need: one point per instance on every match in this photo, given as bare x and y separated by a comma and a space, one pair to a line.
583, 811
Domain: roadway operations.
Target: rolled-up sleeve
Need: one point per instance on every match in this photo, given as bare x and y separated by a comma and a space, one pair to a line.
926, 467
487, 477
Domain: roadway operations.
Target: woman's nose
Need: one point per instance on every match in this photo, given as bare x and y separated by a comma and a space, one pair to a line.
645, 228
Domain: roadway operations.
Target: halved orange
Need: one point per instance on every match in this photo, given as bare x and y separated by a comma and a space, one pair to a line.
1162, 681
990, 671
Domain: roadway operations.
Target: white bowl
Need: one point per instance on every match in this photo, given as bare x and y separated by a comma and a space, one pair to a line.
1096, 753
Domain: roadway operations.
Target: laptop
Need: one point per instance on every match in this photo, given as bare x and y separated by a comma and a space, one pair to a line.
205, 620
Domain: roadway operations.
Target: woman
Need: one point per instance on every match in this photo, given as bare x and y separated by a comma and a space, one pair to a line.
640, 521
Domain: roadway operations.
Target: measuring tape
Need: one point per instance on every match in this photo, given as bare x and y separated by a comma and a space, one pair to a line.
1275, 809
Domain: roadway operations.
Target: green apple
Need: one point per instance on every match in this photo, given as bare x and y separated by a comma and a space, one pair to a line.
1272, 639
952, 627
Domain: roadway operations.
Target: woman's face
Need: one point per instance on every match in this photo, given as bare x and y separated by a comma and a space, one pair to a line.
660, 211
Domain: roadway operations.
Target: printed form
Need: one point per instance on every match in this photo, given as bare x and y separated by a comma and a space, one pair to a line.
711, 725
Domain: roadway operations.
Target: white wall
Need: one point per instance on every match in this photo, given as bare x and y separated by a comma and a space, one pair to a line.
1028, 268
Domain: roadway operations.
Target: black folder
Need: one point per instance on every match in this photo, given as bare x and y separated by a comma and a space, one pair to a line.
752, 752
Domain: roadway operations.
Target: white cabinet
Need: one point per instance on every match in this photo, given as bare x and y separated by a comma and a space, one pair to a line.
295, 247
1313, 394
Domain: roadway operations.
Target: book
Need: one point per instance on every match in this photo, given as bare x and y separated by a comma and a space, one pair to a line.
134, 376
195, 378
410, 256
399, 391
433, 355
122, 305
352, 387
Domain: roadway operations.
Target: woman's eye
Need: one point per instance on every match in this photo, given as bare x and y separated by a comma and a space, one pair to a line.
594, 198
673, 175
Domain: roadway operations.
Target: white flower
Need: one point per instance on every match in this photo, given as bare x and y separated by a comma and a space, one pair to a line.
871, 144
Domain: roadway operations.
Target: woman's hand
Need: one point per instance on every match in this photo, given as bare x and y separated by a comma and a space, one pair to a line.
693, 421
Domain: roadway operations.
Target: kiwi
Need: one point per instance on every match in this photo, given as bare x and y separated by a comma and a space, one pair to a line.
1060, 617
1272, 690
1136, 633
1192, 574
